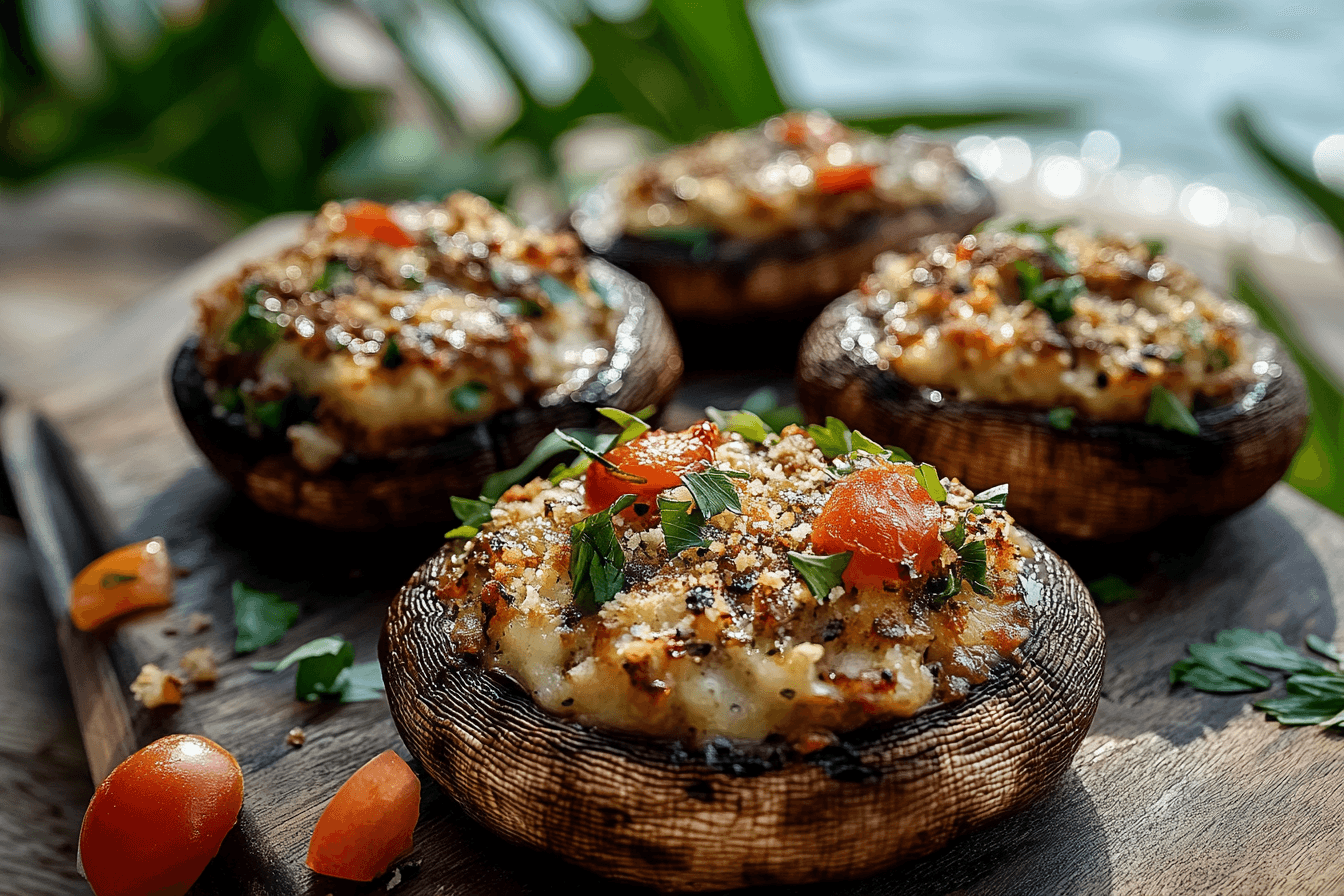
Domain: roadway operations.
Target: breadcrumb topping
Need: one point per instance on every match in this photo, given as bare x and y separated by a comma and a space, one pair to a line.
955, 319
728, 640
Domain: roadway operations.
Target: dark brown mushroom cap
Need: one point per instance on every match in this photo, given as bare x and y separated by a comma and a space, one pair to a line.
777, 285
1093, 481
414, 486
655, 813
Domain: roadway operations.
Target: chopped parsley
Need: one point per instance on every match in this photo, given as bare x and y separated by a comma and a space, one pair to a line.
327, 668
1315, 691
821, 572
260, 617
1155, 246
1112, 590
928, 477
683, 525
113, 579
1167, 411
391, 353
596, 560
759, 417
266, 414
1061, 418
713, 491
467, 397
996, 496
1055, 296
334, 274
1047, 236
975, 566
253, 331
835, 439
520, 307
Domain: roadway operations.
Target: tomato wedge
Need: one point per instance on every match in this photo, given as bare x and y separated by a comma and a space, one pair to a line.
369, 823
134, 577
160, 817
884, 515
657, 457
374, 220
845, 178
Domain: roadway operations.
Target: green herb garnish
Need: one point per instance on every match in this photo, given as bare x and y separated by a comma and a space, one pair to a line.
1054, 297
113, 579
714, 491
632, 425
993, 497
682, 525
1112, 590
391, 353
1167, 411
1061, 418
334, 273
1155, 246
821, 572
975, 566
229, 398
598, 456
1047, 236
928, 477
261, 618
835, 439
326, 668
266, 414
765, 405
1315, 692
596, 560
253, 331
520, 307
472, 513
555, 290
467, 397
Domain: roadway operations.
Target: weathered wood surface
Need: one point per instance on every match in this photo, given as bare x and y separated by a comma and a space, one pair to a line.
1173, 791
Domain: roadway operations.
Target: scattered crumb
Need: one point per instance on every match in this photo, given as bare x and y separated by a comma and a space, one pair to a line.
199, 666
395, 879
199, 622
295, 737
154, 687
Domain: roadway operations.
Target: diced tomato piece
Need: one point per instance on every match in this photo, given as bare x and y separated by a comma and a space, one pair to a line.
369, 823
160, 817
130, 578
795, 131
374, 220
845, 178
657, 457
884, 515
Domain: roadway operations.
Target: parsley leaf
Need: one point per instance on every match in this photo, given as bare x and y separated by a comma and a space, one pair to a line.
1054, 297
956, 536
467, 397
472, 513
253, 331
113, 579
833, 439
1061, 418
1218, 668
1052, 248
266, 414
596, 560
682, 526
1324, 648
993, 497
497, 484
821, 572
1155, 247
744, 423
596, 454
928, 477
975, 566
334, 273
260, 617
1112, 590
632, 425
555, 290
1167, 411
713, 492
765, 405
391, 353
326, 668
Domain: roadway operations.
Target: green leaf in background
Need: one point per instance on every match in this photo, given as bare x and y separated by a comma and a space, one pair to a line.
1112, 590
1329, 202
821, 572
1218, 667
765, 405
1061, 418
1324, 648
260, 617
360, 683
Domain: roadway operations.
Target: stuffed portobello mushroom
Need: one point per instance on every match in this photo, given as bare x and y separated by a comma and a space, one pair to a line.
1112, 389
713, 662
401, 354
766, 225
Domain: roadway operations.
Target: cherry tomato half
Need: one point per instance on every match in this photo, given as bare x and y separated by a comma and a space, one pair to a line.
657, 457
374, 220
130, 578
160, 817
884, 515
370, 821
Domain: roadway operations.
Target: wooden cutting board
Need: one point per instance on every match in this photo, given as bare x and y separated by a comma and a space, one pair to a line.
1173, 791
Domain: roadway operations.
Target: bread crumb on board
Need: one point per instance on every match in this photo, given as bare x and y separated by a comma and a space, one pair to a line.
199, 667
154, 687
296, 737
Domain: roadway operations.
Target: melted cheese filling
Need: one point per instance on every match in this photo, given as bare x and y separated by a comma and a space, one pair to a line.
726, 641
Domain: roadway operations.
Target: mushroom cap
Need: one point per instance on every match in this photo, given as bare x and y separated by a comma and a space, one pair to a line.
414, 486
656, 813
1093, 481
777, 285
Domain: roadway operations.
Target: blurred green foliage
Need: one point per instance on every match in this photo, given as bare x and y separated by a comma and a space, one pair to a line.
1318, 469
233, 104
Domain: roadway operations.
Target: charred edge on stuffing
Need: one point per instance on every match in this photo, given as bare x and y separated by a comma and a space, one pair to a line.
739, 761
841, 762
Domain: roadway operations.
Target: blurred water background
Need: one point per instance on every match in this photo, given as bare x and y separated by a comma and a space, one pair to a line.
137, 134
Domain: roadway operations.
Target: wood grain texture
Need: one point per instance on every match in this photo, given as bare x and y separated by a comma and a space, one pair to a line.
414, 486
773, 286
1172, 791
649, 812
1095, 480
